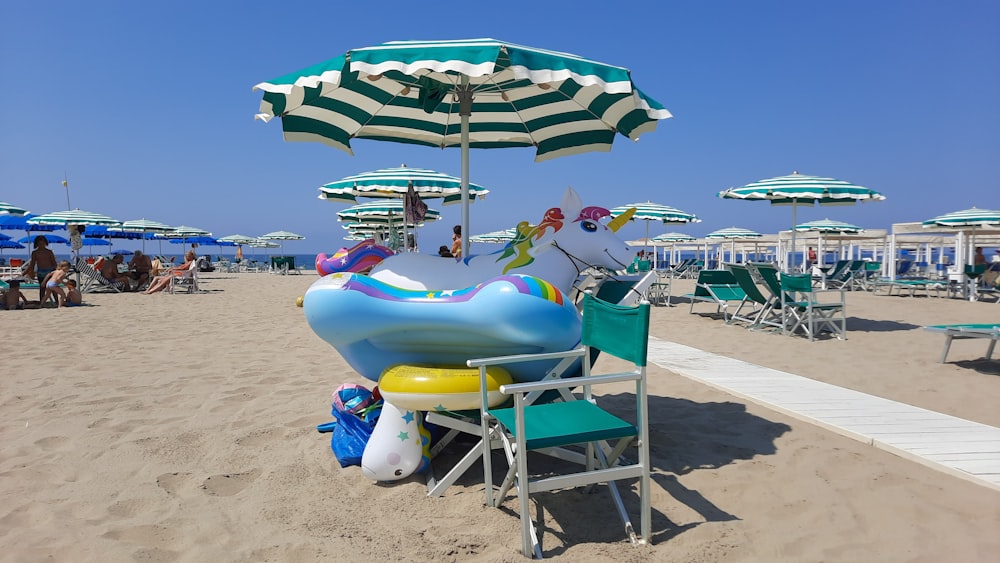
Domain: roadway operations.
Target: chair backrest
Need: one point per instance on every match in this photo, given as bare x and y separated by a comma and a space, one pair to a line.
975, 270
839, 269
712, 277
745, 279
620, 331
796, 282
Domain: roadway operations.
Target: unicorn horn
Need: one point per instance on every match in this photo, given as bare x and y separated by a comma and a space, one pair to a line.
620, 220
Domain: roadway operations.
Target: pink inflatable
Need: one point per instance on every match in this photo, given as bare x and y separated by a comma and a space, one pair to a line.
359, 258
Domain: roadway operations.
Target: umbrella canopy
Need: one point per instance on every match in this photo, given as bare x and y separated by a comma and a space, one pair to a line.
237, 239
673, 237
185, 231
732, 234
144, 226
4, 237
476, 93
112, 232
258, 243
74, 217
87, 241
966, 220
10, 244
495, 237
8, 208
281, 235
655, 212
394, 183
20, 223
970, 218
828, 226
53, 239
193, 240
798, 189
381, 212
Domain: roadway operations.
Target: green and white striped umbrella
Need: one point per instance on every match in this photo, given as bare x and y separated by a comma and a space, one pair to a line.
655, 212
495, 237
798, 189
74, 217
237, 239
828, 226
971, 218
184, 231
673, 237
143, 226
281, 235
11, 209
733, 233
394, 182
473, 93
966, 220
381, 212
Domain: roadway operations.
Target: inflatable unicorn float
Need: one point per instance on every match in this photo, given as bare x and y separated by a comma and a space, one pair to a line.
427, 311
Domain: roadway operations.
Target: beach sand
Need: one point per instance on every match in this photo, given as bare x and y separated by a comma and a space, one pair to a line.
182, 428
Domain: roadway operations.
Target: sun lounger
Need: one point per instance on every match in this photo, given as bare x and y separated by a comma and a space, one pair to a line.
990, 331
720, 288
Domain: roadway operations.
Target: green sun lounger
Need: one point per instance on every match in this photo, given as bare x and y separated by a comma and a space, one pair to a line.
990, 331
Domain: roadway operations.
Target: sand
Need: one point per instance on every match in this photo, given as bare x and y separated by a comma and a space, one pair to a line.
182, 428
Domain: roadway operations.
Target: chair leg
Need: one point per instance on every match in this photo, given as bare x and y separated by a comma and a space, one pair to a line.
947, 346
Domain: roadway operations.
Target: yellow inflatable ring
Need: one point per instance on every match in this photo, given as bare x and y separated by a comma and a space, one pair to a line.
430, 388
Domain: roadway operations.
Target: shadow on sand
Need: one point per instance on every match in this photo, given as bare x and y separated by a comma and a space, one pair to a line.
685, 436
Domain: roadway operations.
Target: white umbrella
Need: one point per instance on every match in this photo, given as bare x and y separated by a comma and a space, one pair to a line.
733, 234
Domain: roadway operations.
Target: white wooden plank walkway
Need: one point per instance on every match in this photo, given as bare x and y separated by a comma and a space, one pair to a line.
963, 448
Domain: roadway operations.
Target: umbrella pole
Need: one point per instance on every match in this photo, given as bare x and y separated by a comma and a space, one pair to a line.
465, 111
792, 269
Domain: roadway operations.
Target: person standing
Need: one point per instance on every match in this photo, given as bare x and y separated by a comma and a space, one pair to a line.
979, 258
42, 263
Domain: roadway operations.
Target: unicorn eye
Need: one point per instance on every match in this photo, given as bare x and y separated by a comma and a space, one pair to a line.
588, 226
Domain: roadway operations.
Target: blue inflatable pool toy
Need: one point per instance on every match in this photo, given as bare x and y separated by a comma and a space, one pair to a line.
374, 325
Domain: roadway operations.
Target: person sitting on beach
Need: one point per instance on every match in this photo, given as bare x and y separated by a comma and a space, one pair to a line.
456, 241
13, 298
109, 269
139, 268
73, 296
160, 283
444, 252
52, 284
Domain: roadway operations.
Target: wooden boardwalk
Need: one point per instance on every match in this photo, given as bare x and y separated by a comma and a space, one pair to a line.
959, 447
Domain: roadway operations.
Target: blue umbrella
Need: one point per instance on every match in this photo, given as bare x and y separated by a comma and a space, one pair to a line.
53, 239
4, 237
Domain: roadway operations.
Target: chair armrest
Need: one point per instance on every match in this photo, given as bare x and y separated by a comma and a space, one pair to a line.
548, 384
476, 362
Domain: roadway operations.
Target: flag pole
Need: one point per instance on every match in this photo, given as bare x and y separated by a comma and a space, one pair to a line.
65, 184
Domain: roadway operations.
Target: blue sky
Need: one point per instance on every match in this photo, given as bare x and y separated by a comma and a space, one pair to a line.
148, 108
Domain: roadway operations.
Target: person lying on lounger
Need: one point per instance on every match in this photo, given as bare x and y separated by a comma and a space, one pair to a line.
160, 283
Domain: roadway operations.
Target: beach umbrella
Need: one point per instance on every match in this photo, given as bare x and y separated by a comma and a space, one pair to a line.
4, 237
732, 234
74, 218
185, 231
92, 242
826, 227
53, 239
655, 212
386, 212
237, 239
143, 227
475, 93
9, 244
11, 209
495, 237
281, 237
20, 223
966, 220
394, 183
673, 239
798, 189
